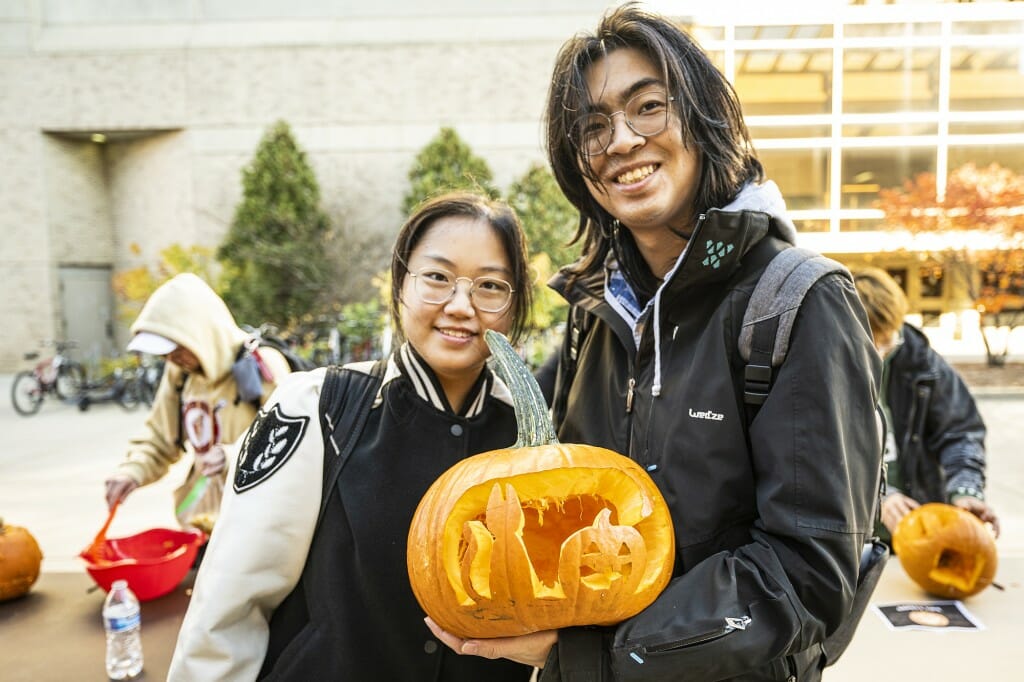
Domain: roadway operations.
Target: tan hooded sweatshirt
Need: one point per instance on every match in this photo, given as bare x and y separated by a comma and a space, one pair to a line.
187, 311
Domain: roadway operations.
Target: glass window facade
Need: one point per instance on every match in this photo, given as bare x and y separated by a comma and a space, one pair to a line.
840, 111
865, 171
801, 174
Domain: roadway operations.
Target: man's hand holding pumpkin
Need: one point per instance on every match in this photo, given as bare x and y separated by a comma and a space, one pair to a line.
894, 507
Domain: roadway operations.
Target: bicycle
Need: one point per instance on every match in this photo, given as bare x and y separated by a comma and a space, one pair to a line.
128, 385
59, 376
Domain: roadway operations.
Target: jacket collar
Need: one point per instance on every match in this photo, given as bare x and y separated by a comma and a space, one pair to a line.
715, 252
407, 362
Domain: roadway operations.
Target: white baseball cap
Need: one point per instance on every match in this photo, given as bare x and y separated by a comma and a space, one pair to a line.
154, 344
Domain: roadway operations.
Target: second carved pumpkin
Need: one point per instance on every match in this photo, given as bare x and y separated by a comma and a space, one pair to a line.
946, 550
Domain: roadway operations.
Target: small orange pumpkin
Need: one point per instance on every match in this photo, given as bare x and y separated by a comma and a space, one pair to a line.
20, 559
541, 535
946, 550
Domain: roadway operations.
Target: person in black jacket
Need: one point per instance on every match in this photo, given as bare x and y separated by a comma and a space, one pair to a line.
935, 449
646, 139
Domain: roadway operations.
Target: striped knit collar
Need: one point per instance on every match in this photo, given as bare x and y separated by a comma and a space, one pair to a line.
428, 387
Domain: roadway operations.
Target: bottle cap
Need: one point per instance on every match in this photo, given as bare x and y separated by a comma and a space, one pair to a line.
119, 584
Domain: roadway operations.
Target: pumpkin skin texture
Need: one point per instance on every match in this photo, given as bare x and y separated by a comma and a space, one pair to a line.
538, 536
20, 559
946, 550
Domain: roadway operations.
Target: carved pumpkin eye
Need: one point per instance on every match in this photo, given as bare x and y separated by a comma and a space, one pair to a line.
541, 535
946, 550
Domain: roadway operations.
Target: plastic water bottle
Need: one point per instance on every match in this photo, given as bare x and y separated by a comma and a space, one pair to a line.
122, 620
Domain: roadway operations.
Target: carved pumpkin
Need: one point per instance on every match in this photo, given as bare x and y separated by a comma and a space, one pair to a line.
946, 550
540, 535
19, 561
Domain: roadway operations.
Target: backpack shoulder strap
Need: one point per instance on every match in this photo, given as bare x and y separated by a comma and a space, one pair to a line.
771, 312
345, 402
577, 326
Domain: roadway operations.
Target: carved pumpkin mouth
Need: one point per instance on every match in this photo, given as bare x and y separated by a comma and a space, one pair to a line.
563, 538
957, 569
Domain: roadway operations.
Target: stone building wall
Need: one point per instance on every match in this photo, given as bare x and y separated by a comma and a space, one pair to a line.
183, 91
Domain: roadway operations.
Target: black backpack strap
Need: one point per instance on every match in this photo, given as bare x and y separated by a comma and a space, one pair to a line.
577, 326
345, 402
179, 442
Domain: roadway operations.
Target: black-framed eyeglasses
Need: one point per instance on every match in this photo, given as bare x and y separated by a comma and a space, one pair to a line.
436, 286
645, 113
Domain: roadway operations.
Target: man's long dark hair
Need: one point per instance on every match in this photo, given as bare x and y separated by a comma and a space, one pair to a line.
705, 104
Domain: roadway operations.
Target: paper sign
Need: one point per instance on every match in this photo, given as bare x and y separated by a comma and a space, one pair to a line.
931, 615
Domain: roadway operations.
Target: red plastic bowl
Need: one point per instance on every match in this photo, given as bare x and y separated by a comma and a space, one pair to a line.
153, 562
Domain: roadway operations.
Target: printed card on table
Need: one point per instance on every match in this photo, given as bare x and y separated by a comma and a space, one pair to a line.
930, 615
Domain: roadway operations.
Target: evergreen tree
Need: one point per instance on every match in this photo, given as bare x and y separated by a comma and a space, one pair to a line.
446, 163
276, 253
549, 221
548, 218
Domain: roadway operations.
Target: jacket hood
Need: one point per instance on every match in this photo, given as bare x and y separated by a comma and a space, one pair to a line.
187, 311
765, 198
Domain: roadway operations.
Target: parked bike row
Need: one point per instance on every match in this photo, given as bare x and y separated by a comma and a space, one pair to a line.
66, 380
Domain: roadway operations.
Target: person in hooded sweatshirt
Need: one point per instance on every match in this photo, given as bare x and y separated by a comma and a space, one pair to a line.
198, 406
678, 222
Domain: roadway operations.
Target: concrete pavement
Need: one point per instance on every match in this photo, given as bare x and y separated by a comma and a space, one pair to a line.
52, 468
53, 464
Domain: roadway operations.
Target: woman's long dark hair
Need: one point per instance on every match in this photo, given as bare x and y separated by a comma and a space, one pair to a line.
506, 226
705, 104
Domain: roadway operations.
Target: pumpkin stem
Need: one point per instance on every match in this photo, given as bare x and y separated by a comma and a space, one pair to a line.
534, 426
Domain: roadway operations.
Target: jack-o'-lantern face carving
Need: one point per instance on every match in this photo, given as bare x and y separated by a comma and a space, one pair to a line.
539, 537
946, 550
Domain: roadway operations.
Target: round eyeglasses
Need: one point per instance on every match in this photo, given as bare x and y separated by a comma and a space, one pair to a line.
646, 114
436, 286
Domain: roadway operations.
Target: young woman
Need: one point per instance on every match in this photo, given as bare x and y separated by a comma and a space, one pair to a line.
281, 597
646, 139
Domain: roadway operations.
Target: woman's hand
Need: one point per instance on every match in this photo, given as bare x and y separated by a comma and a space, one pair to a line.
894, 507
531, 649
211, 462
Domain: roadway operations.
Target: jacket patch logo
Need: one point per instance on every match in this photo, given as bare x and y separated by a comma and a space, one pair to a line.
268, 444
716, 252
707, 414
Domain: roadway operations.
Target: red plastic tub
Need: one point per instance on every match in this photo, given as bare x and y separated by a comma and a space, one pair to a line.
153, 562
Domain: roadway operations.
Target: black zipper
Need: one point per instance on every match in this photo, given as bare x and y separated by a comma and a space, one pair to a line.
631, 386
730, 625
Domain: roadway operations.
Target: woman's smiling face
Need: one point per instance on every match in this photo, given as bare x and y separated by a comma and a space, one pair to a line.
647, 183
449, 336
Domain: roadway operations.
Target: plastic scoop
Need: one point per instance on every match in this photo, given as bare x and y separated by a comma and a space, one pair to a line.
99, 549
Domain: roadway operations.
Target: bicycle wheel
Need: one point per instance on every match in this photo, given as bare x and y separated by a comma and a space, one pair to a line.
26, 394
70, 380
146, 390
128, 397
